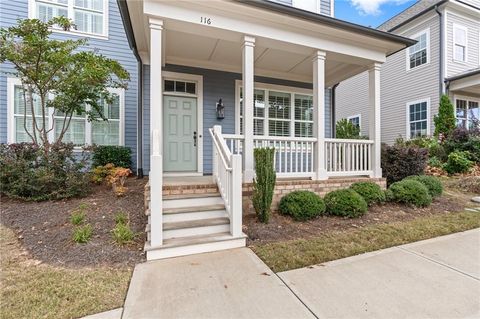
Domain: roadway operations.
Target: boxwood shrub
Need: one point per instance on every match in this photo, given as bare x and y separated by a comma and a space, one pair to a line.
458, 162
370, 191
302, 205
432, 183
409, 191
345, 202
120, 156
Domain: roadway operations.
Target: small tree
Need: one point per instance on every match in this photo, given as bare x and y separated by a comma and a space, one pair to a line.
445, 120
59, 75
264, 182
346, 129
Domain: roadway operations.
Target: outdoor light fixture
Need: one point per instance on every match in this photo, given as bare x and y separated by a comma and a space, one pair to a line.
220, 110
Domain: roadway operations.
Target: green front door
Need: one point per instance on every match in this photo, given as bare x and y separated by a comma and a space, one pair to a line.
180, 134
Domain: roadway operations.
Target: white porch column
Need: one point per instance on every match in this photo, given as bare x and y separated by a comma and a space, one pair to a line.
374, 117
156, 133
248, 87
319, 113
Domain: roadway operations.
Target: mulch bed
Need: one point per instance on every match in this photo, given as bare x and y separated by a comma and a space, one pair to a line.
282, 228
45, 230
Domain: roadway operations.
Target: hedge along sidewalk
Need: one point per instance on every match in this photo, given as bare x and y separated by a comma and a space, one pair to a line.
282, 256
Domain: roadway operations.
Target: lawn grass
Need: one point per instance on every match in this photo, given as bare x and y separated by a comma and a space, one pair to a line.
282, 256
32, 290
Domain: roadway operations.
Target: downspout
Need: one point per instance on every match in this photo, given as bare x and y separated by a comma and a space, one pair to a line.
332, 113
442, 57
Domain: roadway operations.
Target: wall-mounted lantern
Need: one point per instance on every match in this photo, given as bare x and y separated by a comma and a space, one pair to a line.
220, 110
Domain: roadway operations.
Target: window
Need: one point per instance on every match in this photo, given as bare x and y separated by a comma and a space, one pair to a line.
418, 54
279, 113
180, 87
459, 43
89, 16
80, 130
355, 120
418, 119
303, 115
467, 113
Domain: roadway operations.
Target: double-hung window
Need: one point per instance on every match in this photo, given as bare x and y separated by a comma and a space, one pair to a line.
22, 117
89, 16
467, 112
418, 54
279, 113
418, 119
303, 115
459, 43
355, 120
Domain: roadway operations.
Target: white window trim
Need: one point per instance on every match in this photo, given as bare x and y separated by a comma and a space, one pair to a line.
407, 51
460, 27
407, 109
12, 82
359, 120
465, 98
269, 87
32, 14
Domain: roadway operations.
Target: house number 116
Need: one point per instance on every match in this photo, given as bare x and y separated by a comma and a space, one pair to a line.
205, 20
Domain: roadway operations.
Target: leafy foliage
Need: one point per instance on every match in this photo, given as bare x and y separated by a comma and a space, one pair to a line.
82, 234
119, 156
302, 205
264, 182
400, 161
371, 192
100, 173
409, 191
122, 234
445, 119
346, 129
345, 202
27, 173
432, 183
464, 140
458, 162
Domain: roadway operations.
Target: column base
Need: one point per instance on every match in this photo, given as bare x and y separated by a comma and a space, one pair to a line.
321, 175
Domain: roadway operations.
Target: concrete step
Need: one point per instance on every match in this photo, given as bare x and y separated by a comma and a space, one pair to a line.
185, 196
192, 201
196, 227
195, 215
192, 209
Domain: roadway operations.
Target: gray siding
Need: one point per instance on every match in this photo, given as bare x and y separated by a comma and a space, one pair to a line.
216, 84
325, 5
398, 87
115, 47
473, 45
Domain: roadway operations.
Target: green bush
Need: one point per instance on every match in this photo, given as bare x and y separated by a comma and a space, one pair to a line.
346, 129
371, 192
345, 202
458, 162
121, 218
462, 139
122, 234
82, 234
445, 119
432, 183
435, 162
302, 205
409, 192
27, 173
77, 217
120, 156
264, 182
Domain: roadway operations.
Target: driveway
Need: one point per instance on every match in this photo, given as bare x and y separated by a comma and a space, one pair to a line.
437, 278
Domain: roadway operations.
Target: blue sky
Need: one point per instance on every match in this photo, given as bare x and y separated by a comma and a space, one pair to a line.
369, 12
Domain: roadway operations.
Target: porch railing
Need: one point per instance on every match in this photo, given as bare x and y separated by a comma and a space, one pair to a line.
227, 172
348, 157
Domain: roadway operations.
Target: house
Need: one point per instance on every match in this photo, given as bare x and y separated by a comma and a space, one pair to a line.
220, 78
445, 60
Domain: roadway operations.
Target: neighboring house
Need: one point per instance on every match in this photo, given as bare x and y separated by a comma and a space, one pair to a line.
446, 59
101, 23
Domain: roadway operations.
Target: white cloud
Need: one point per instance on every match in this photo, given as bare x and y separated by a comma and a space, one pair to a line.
372, 7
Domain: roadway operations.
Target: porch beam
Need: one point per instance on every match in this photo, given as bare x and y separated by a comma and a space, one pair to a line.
374, 117
156, 132
248, 89
319, 113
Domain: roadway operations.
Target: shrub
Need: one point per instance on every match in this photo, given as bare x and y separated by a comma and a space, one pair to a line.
346, 129
100, 173
122, 234
400, 161
119, 156
445, 119
458, 162
345, 202
409, 192
371, 192
462, 139
302, 205
82, 234
117, 178
432, 183
121, 218
435, 162
27, 172
264, 182
77, 217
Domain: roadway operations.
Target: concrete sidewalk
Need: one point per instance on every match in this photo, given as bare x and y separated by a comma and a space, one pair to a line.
437, 278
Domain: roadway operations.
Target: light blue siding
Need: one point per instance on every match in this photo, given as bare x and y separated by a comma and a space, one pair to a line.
216, 84
115, 47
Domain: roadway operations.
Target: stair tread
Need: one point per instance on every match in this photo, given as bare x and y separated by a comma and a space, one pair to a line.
193, 209
194, 240
196, 223
186, 196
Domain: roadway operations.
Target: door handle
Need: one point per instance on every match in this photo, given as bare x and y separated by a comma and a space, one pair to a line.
194, 138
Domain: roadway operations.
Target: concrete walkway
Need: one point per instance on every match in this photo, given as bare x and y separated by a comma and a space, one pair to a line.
437, 278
